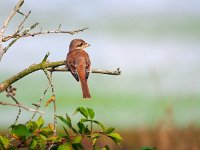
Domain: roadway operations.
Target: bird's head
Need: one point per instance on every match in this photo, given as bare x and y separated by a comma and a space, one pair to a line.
78, 44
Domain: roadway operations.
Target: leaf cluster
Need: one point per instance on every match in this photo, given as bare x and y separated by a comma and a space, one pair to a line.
34, 135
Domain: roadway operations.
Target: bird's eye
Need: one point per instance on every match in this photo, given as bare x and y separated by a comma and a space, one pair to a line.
80, 45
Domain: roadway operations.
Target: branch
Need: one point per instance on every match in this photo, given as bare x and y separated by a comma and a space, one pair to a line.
4, 85
39, 102
17, 103
5, 24
108, 72
42, 33
20, 27
24, 107
53, 97
51, 66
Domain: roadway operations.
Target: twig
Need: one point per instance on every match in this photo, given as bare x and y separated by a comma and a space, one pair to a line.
6, 38
18, 104
17, 37
18, 114
20, 25
24, 107
108, 72
50, 67
5, 24
10, 93
49, 77
53, 97
10, 44
39, 102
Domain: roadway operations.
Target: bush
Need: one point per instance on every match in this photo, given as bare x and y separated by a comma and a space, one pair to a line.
34, 135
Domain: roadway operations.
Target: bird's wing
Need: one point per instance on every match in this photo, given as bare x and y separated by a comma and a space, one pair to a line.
88, 64
71, 65
75, 74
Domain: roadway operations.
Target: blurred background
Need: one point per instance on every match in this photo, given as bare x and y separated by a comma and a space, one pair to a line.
155, 102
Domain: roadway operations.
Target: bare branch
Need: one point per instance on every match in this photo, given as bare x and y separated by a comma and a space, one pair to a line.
20, 25
9, 45
17, 35
53, 97
5, 24
18, 104
24, 107
39, 102
107, 72
43, 33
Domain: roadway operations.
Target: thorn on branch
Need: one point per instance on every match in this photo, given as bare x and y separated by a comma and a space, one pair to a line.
21, 13
59, 27
20, 25
76, 31
45, 57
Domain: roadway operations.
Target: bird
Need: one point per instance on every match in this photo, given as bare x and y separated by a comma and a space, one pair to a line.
78, 62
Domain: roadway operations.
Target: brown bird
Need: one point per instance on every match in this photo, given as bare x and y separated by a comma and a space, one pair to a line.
78, 62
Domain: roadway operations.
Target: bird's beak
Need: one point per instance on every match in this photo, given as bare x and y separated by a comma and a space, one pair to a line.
87, 45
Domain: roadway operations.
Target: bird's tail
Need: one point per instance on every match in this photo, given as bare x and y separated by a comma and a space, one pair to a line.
85, 89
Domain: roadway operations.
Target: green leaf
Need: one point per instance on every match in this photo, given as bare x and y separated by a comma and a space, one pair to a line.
77, 139
66, 146
46, 131
94, 141
20, 130
68, 118
115, 137
100, 124
39, 122
84, 120
81, 127
106, 148
66, 121
54, 139
91, 113
67, 134
33, 144
94, 137
110, 130
83, 111
87, 130
74, 130
4, 142
78, 146
42, 138
32, 126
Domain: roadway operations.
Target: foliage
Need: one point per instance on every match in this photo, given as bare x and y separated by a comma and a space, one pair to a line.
34, 135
